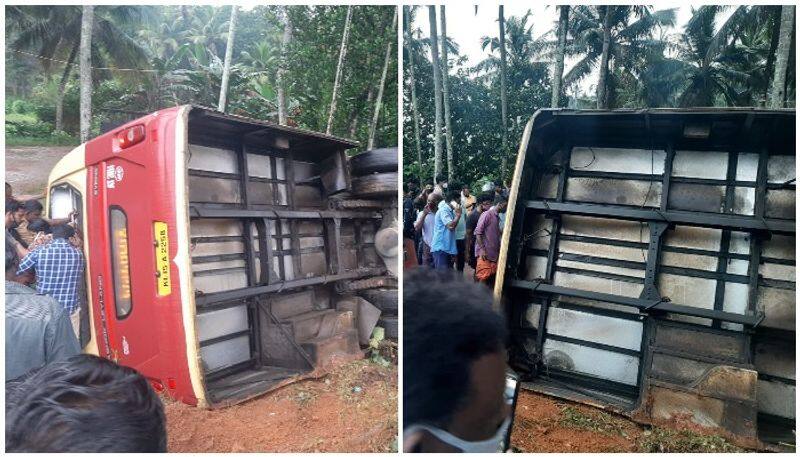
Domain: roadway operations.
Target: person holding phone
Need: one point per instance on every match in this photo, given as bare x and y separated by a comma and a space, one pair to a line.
454, 359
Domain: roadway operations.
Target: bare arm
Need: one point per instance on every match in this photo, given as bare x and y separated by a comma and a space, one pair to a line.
454, 222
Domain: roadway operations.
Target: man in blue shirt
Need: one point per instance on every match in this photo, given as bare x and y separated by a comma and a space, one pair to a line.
443, 245
59, 267
38, 330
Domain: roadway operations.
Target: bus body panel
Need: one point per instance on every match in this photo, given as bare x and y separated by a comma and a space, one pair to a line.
150, 338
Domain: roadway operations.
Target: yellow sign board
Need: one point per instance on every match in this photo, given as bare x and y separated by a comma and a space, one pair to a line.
162, 258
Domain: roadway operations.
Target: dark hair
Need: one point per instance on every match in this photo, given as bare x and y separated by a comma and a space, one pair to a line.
419, 203
39, 225
62, 231
12, 258
84, 404
448, 324
454, 191
32, 206
12, 206
440, 178
485, 197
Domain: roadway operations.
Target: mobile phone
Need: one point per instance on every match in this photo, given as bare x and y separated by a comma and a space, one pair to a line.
510, 395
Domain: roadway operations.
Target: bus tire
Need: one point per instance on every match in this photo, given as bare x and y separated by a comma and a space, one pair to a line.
389, 324
384, 299
375, 161
376, 185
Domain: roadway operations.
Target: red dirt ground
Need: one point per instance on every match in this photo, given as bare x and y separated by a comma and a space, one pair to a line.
330, 414
547, 424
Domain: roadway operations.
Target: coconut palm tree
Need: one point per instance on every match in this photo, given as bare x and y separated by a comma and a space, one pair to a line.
226, 70
339, 66
53, 32
281, 83
631, 38
558, 71
778, 96
379, 99
87, 22
407, 42
503, 92
448, 134
437, 93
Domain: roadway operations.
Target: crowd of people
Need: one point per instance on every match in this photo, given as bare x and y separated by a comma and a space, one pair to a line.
57, 399
451, 227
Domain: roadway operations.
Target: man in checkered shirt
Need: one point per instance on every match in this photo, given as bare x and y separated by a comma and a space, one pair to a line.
59, 267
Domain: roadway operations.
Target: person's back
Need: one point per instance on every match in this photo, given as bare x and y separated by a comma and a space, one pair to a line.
38, 331
59, 267
84, 404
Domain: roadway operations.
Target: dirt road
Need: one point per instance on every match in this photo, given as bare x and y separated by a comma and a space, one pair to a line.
545, 424
353, 409
27, 167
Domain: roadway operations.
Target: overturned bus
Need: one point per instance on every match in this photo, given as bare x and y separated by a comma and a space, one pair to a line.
224, 255
648, 265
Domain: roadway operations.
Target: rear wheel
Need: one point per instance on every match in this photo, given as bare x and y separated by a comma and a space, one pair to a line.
376, 185
375, 161
384, 299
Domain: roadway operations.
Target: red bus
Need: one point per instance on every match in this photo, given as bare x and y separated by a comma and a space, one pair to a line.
213, 251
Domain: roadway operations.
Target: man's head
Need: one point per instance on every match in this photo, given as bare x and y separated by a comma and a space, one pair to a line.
84, 404
9, 191
62, 231
12, 260
39, 225
14, 213
502, 204
441, 180
453, 192
433, 200
498, 188
465, 190
454, 359
33, 209
485, 201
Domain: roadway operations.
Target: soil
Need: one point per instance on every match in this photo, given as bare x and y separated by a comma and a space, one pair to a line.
547, 424
28, 167
352, 409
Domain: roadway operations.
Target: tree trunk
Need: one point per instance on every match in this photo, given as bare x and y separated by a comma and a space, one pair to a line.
226, 69
437, 94
339, 67
602, 82
379, 99
448, 132
773, 46
503, 94
782, 57
62, 87
356, 112
87, 20
558, 72
414, 110
287, 38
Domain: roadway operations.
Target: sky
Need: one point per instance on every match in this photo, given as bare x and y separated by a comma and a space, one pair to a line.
467, 28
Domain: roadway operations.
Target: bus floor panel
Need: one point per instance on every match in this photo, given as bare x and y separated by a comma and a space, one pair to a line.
248, 383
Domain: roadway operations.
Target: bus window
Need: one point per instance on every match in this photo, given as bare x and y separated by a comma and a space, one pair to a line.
65, 200
120, 262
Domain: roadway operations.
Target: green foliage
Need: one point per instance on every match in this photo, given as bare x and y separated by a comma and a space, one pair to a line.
176, 52
702, 65
664, 440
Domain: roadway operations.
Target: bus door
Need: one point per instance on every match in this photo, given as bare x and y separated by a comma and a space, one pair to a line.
131, 287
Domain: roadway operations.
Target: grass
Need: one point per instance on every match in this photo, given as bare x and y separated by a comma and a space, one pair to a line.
600, 421
54, 140
665, 440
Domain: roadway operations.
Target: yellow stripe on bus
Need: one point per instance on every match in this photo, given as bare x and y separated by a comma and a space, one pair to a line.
162, 258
